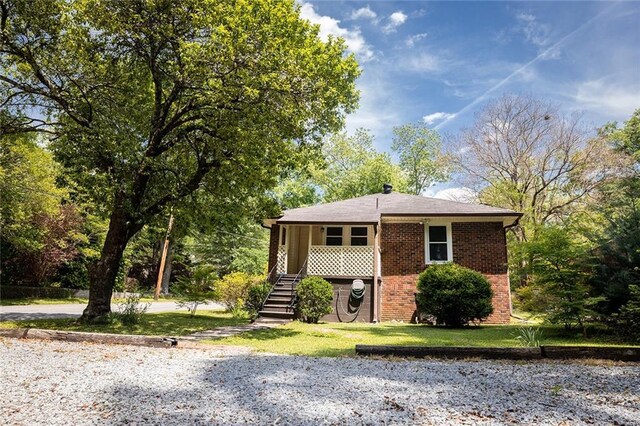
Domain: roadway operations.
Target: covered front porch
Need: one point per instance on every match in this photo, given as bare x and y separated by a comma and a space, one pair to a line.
328, 250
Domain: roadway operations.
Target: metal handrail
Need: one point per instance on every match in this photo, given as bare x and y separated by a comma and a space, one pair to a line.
303, 268
273, 285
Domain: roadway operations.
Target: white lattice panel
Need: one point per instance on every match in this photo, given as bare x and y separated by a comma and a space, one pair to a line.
340, 261
282, 260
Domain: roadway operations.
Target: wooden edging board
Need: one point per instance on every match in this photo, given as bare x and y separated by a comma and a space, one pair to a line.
542, 352
79, 336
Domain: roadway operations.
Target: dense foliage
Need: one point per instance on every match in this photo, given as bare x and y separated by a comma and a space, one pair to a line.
454, 295
314, 299
196, 289
153, 103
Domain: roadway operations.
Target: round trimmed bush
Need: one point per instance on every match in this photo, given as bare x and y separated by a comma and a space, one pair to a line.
454, 295
314, 298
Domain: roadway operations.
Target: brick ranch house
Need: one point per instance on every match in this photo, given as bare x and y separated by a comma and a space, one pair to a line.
385, 240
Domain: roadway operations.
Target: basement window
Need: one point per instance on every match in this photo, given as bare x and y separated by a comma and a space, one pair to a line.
438, 243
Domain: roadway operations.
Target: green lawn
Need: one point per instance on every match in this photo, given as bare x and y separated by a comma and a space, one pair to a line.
166, 323
14, 302
335, 339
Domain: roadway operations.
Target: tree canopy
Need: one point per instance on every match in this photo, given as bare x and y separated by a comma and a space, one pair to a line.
150, 102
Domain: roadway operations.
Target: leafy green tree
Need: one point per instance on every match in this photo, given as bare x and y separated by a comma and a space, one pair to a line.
562, 266
354, 168
618, 233
196, 289
421, 157
40, 230
153, 102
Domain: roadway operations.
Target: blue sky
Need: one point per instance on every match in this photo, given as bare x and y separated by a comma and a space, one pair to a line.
440, 62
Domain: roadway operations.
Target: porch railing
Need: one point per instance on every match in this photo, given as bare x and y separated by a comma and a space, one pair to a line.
340, 261
282, 260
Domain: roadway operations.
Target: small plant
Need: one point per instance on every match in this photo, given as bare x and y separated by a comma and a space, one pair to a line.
555, 390
257, 294
234, 288
529, 336
454, 295
238, 311
314, 298
196, 289
131, 311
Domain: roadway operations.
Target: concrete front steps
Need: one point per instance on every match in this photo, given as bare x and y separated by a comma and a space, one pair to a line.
279, 303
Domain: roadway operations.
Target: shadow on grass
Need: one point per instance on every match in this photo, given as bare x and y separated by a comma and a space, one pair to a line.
166, 323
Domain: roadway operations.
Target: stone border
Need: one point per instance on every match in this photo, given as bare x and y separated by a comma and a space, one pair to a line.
629, 354
80, 336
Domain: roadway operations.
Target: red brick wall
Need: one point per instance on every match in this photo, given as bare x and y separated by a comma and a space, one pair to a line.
273, 246
402, 260
481, 246
476, 245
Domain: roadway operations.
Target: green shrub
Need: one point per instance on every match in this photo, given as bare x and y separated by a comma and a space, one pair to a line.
233, 289
257, 293
314, 298
454, 295
196, 289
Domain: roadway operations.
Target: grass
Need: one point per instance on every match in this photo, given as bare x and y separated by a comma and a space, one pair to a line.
339, 339
165, 323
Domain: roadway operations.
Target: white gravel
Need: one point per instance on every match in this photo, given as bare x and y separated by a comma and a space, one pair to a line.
58, 383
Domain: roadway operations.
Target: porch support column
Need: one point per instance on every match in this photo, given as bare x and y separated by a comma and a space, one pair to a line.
287, 238
309, 249
374, 286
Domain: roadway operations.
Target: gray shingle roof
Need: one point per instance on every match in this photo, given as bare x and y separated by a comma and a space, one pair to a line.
370, 208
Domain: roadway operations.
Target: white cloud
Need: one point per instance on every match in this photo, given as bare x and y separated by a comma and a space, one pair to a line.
394, 21
538, 34
412, 40
461, 194
329, 26
608, 96
437, 116
423, 62
364, 13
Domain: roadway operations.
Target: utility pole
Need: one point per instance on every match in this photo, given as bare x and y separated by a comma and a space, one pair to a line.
163, 258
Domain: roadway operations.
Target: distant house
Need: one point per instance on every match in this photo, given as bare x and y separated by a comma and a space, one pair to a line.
385, 240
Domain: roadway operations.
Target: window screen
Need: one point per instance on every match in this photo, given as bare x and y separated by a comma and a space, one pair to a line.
359, 236
438, 251
334, 236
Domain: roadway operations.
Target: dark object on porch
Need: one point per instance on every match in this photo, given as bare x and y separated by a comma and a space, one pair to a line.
386, 188
354, 303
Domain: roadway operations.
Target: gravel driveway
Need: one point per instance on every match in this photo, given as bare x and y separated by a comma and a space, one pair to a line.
58, 383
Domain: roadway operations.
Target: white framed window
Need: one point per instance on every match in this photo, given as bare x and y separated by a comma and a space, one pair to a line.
359, 236
346, 235
333, 235
438, 244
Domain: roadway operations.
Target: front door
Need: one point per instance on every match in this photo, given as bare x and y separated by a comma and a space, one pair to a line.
298, 248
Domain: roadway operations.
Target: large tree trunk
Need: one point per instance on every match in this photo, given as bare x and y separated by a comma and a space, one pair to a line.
103, 273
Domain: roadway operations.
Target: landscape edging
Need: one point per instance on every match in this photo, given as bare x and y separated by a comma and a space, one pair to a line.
629, 354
